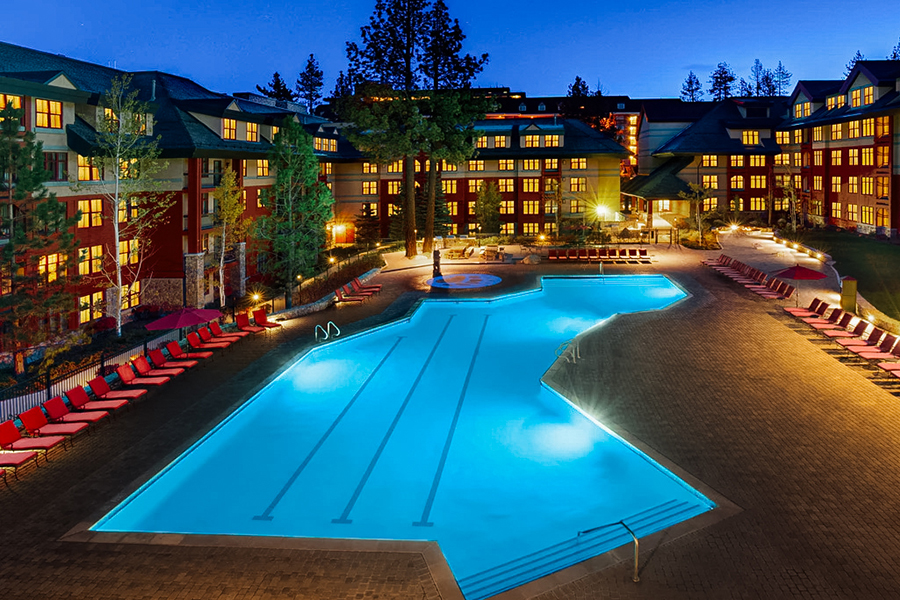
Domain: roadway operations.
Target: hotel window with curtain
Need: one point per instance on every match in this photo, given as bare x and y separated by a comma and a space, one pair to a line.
229, 129
500, 141
757, 160
90, 307
129, 252
551, 164
709, 160
710, 182
86, 169
853, 156
531, 185
757, 181
47, 114
481, 142
131, 295
578, 184
262, 168
853, 129
90, 260
737, 161
836, 158
737, 182
49, 267
837, 131
798, 135
868, 127
783, 137
369, 168
507, 207
836, 184
507, 185
445, 166
532, 141
475, 185
750, 137
370, 188
551, 141
448, 186
818, 133
531, 165
578, 164
506, 164
10, 100
393, 188
252, 132
476, 165
91, 213
757, 203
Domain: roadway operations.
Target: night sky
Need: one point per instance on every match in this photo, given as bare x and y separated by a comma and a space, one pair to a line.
642, 50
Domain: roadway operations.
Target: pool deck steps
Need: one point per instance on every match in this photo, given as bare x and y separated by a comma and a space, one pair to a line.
572, 551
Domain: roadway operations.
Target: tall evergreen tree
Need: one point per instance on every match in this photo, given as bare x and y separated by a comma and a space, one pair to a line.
344, 85
856, 58
487, 208
721, 82
691, 90
745, 89
895, 53
578, 88
277, 89
38, 257
757, 74
767, 86
309, 84
299, 207
782, 80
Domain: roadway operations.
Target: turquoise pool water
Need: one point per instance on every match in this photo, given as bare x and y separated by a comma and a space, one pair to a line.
433, 428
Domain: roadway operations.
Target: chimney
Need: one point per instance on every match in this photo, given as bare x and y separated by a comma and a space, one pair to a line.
153, 91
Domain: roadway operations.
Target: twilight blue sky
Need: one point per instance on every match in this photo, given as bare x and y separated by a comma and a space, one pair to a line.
641, 49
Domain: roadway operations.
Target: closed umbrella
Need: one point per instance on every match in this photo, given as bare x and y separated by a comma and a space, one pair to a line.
800, 273
184, 317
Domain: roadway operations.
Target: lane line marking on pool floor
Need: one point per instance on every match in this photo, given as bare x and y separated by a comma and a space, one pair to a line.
423, 522
390, 431
267, 514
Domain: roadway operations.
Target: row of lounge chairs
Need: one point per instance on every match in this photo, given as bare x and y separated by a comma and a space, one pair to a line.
852, 333
752, 278
58, 420
609, 255
356, 291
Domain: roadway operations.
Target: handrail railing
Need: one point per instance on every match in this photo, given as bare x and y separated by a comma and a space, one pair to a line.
331, 325
327, 331
324, 333
634, 577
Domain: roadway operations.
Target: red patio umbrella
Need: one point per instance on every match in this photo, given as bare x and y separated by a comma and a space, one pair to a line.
800, 273
184, 317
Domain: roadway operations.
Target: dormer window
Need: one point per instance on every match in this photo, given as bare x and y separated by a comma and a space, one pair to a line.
229, 129
750, 137
522, 107
856, 98
252, 132
868, 95
542, 107
802, 110
532, 141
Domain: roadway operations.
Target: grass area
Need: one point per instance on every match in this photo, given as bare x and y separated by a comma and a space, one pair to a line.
875, 265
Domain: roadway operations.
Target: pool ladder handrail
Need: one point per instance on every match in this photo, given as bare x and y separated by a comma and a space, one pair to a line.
327, 331
635, 578
568, 345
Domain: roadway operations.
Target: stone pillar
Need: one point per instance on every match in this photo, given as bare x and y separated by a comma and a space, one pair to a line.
240, 283
193, 280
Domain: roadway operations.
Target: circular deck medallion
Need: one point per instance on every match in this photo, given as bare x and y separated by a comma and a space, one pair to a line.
464, 281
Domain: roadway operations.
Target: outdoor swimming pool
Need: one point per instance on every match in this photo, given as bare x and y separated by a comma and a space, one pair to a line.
433, 428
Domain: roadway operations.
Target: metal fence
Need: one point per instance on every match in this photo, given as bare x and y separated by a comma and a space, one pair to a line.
32, 392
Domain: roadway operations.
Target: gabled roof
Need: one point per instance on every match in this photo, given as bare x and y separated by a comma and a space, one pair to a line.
879, 72
659, 110
86, 76
816, 90
662, 183
578, 139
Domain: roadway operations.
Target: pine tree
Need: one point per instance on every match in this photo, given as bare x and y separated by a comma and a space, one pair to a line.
856, 58
895, 53
38, 258
367, 226
309, 84
299, 207
691, 90
229, 201
721, 82
767, 84
578, 89
344, 85
782, 79
757, 73
745, 90
487, 208
278, 89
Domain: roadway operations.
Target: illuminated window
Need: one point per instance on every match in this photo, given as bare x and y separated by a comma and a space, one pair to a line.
578, 164
448, 186
47, 113
737, 160
882, 126
393, 209
853, 156
709, 160
91, 213
551, 185
578, 184
507, 207
507, 228
319, 144
10, 100
817, 158
531, 165
49, 267
868, 185
737, 182
229, 129
476, 165
868, 127
550, 207
882, 185
783, 159
780, 204
90, 260
274, 131
332, 145
576, 206
757, 203
131, 295
783, 137
817, 183
86, 169
836, 101
710, 204
550, 227
244, 168
393, 187
506, 164
325, 168
852, 212
757, 160
252, 132
531, 185
710, 182
663, 205
835, 184
262, 168
798, 136
868, 94
481, 142
551, 141
855, 98
445, 166
90, 307
836, 158
853, 185
453, 208
881, 219
837, 131
126, 209
798, 159
867, 215
128, 252
798, 183
882, 154
801, 109
369, 168
551, 164
632, 120
757, 181
818, 133
396, 167
472, 206
475, 185
530, 228
750, 137
853, 129
500, 141
507, 185
532, 141
370, 188
836, 210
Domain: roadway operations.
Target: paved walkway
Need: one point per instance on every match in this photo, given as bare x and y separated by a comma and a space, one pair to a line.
800, 436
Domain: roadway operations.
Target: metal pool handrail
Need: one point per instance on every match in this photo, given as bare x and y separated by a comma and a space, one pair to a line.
327, 331
337, 330
635, 577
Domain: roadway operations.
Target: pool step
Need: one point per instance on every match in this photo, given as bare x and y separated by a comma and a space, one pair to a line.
569, 552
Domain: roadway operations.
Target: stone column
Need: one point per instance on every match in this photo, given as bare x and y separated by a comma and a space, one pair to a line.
193, 280
240, 283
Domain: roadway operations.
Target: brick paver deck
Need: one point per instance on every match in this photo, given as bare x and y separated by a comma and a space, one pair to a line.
802, 438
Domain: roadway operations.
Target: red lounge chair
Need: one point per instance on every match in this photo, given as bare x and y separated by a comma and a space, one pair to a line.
357, 284
858, 331
100, 388
870, 340
216, 330
343, 298
177, 353
243, 323
593, 255
160, 361
263, 320
11, 439
145, 370
14, 460
642, 254
841, 324
348, 291
819, 316
552, 255
722, 260
126, 374
572, 254
884, 351
58, 412
207, 337
582, 254
632, 253
810, 311
36, 424
195, 343
79, 400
